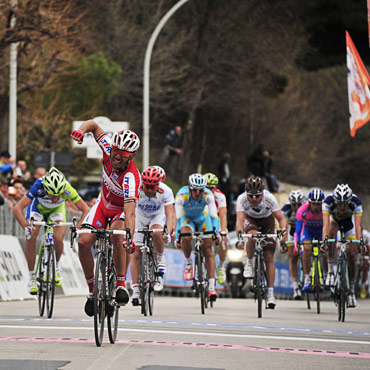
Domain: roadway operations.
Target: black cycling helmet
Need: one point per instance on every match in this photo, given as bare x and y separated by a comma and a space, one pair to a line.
254, 185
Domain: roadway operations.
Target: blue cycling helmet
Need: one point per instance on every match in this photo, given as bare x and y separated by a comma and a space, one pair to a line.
197, 181
316, 195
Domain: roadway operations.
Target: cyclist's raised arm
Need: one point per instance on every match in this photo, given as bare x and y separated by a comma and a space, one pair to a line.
18, 211
87, 126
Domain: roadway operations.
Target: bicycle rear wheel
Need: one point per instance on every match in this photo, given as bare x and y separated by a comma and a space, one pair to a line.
50, 281
41, 296
99, 295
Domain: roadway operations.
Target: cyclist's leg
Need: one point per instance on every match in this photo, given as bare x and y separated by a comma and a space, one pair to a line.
306, 236
135, 259
333, 229
120, 257
352, 253
250, 227
158, 222
187, 226
293, 268
30, 247
56, 215
95, 219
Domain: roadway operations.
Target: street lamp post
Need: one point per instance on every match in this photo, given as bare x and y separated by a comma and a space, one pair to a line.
148, 55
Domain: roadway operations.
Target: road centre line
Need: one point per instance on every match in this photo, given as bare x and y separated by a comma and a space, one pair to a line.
200, 333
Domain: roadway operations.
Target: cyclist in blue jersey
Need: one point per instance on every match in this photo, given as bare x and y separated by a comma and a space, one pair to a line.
46, 199
190, 204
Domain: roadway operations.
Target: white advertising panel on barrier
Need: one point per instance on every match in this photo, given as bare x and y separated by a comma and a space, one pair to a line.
13, 270
74, 282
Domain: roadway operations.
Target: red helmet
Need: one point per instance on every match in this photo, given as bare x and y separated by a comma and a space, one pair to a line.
163, 173
152, 176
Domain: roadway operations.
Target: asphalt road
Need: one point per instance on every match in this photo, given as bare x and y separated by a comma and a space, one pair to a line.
178, 336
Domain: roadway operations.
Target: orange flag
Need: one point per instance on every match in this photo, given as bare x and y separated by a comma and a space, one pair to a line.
368, 18
358, 88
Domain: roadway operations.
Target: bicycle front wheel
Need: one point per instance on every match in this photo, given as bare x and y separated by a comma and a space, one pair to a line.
112, 307
343, 291
50, 281
259, 284
200, 277
41, 293
99, 295
317, 284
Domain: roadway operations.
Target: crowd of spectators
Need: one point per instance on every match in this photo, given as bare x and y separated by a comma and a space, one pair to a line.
17, 179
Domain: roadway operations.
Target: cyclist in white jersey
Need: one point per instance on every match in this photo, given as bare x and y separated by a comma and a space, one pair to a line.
256, 209
220, 200
155, 207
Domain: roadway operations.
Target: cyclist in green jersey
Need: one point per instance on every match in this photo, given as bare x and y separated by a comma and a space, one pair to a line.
46, 200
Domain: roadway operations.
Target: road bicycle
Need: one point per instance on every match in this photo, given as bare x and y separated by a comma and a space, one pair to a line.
316, 274
259, 279
45, 266
148, 273
342, 288
200, 279
259, 284
104, 292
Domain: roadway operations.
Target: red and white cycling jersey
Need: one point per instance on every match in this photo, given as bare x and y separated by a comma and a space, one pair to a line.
118, 186
220, 200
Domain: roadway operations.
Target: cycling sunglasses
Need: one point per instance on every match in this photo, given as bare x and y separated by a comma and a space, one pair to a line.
122, 153
149, 187
254, 195
197, 190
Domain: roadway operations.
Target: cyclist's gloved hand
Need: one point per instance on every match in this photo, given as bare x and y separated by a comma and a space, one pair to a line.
283, 247
28, 231
324, 246
130, 247
77, 135
168, 238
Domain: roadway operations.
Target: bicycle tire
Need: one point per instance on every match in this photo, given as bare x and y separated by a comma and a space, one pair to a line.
99, 295
40, 281
151, 300
151, 278
142, 283
359, 265
200, 277
317, 284
50, 281
234, 286
112, 317
344, 290
259, 287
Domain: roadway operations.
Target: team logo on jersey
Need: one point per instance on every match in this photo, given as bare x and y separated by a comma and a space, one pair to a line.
115, 175
99, 223
105, 143
160, 191
66, 192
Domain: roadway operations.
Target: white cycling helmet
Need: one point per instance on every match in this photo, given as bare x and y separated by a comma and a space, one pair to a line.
197, 181
295, 197
126, 140
342, 193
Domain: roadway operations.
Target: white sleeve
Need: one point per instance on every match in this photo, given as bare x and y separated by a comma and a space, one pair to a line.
179, 207
210, 200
